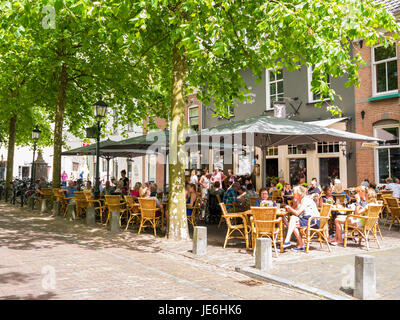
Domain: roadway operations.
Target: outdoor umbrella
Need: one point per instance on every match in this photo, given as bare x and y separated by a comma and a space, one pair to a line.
266, 131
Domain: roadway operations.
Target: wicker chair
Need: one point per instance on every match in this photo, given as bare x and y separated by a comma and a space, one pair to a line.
265, 224
394, 209
114, 203
195, 212
369, 228
252, 201
64, 200
231, 205
232, 227
81, 203
318, 234
277, 196
132, 209
148, 209
97, 204
340, 198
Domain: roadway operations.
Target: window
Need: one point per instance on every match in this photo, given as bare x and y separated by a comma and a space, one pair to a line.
313, 96
274, 87
75, 166
387, 155
292, 149
297, 170
193, 121
151, 168
328, 147
384, 70
273, 151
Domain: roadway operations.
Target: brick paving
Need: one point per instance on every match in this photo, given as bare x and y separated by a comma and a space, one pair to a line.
45, 257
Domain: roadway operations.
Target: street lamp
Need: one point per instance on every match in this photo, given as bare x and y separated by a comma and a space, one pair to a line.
35, 137
99, 110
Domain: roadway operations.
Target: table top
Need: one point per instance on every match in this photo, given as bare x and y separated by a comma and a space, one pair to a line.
280, 212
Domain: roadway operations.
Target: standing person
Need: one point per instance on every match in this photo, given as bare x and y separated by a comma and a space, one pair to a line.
193, 177
217, 176
228, 180
204, 183
124, 182
190, 198
64, 178
72, 176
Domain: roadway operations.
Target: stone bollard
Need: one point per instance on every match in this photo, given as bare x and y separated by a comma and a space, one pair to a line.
114, 221
44, 206
365, 277
264, 254
199, 240
71, 212
56, 208
90, 216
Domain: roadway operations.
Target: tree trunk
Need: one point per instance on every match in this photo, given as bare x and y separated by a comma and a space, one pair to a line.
10, 152
58, 126
178, 226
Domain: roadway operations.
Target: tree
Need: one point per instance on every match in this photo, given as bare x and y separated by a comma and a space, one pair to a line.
181, 45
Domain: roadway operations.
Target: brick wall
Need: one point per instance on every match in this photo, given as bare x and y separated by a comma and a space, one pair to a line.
374, 111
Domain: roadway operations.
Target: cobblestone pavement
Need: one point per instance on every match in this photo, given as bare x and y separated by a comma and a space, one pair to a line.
45, 257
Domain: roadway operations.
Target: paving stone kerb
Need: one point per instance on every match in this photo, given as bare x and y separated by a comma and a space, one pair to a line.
365, 277
264, 254
200, 240
114, 222
90, 216
56, 208
45, 205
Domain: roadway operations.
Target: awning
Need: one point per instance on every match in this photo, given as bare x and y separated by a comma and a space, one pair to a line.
327, 122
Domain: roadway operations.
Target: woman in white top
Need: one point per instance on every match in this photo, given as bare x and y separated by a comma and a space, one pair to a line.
204, 183
193, 178
299, 218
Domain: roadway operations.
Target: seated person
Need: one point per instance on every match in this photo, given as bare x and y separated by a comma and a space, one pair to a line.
213, 207
328, 197
314, 187
338, 189
108, 189
88, 187
250, 191
190, 198
361, 209
230, 196
287, 191
242, 199
272, 188
146, 193
263, 201
39, 186
69, 190
280, 184
306, 209
135, 193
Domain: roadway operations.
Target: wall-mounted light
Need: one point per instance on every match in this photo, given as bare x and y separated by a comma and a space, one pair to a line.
362, 114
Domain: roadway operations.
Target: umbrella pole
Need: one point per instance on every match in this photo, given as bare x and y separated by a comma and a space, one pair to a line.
263, 167
108, 169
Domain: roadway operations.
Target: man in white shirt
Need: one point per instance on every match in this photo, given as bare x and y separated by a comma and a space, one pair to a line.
393, 187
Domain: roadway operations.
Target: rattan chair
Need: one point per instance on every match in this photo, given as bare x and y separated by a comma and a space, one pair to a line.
231, 205
394, 210
97, 205
264, 223
252, 201
369, 228
318, 234
132, 209
115, 203
195, 212
80, 203
242, 228
340, 198
277, 196
148, 209
64, 200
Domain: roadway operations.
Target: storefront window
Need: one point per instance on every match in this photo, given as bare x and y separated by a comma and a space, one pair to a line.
297, 170
328, 147
328, 170
292, 149
273, 151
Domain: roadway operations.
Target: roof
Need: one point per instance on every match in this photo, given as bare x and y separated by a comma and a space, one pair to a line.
392, 5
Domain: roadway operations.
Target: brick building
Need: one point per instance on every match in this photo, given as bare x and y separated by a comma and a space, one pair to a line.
377, 111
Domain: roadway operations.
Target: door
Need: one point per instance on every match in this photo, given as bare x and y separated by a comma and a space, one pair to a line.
271, 167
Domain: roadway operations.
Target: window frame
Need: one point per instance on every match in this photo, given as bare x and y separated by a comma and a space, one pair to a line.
309, 86
268, 104
373, 73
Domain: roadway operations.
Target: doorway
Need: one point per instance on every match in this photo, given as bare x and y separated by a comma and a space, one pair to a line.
271, 168
328, 170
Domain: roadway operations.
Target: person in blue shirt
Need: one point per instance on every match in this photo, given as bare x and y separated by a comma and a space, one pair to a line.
69, 190
264, 199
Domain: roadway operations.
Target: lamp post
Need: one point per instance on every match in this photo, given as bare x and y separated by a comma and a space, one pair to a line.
35, 137
99, 110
